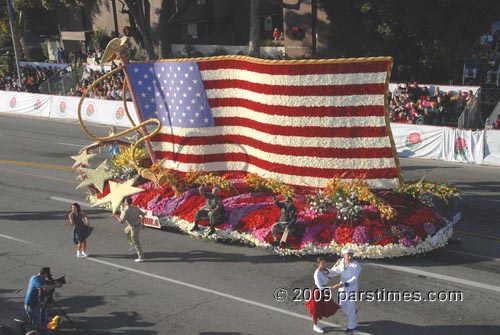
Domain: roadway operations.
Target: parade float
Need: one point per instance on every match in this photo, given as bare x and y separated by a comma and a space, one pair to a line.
312, 130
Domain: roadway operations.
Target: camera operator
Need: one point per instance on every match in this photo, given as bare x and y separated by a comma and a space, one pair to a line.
34, 297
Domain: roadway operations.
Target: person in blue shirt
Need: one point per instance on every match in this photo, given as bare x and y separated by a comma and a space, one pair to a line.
32, 305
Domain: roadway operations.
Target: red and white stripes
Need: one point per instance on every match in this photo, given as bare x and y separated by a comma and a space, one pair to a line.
301, 123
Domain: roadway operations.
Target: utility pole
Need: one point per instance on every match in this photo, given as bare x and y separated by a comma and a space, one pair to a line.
14, 44
314, 30
115, 18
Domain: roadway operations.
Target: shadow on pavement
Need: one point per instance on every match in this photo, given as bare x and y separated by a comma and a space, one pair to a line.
47, 216
111, 323
397, 328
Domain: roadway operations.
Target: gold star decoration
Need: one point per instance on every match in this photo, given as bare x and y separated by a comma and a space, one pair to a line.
82, 159
118, 192
97, 176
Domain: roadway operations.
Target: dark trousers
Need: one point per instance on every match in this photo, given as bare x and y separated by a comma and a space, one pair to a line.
202, 214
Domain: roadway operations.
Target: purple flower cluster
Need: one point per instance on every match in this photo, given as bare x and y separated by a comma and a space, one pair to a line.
361, 235
430, 228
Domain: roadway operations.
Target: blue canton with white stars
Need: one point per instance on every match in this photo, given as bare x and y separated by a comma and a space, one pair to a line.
171, 92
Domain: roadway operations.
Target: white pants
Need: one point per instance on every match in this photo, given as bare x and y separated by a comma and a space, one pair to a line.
348, 306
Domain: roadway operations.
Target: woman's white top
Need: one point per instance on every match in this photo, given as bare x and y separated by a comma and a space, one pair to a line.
321, 279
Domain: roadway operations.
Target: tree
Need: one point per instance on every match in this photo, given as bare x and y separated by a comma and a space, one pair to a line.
428, 39
254, 40
139, 12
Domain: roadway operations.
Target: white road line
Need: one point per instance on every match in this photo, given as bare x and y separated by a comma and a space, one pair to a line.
218, 293
203, 289
70, 201
472, 254
71, 144
18, 240
439, 276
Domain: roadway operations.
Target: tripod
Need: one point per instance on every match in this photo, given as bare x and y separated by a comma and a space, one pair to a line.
55, 308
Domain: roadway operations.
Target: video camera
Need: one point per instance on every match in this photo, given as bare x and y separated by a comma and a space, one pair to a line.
61, 280
48, 295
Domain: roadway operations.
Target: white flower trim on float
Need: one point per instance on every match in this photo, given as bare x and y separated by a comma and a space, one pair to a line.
438, 240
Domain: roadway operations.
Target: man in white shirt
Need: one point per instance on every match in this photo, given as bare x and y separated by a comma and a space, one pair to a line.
349, 271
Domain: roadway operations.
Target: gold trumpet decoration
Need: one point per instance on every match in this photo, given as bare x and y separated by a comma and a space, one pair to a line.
113, 50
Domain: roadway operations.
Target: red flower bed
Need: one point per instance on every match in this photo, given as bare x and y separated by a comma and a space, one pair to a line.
343, 234
325, 234
261, 218
188, 209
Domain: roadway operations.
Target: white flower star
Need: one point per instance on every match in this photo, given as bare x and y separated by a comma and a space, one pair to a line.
195, 81
149, 88
178, 68
206, 120
180, 102
190, 88
191, 68
147, 106
157, 94
198, 95
136, 70
143, 94
152, 100
162, 69
175, 75
139, 82
182, 82
197, 114
184, 114
145, 76
193, 101
192, 121
188, 108
151, 69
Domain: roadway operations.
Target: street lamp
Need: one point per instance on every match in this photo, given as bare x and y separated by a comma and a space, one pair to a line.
16, 56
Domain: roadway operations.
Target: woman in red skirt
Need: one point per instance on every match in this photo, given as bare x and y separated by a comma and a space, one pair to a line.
321, 303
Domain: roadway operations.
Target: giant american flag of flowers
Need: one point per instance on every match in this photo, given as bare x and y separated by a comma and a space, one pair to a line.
300, 122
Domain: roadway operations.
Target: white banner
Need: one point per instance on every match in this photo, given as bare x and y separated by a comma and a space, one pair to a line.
25, 103
64, 107
464, 146
109, 112
66, 67
441, 143
492, 147
418, 141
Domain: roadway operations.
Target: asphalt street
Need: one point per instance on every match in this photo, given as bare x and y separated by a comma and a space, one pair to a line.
189, 286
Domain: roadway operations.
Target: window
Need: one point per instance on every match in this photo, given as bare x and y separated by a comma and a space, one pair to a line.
189, 30
201, 2
192, 30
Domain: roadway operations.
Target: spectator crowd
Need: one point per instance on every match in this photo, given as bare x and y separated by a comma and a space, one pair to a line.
110, 88
483, 62
31, 78
410, 103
